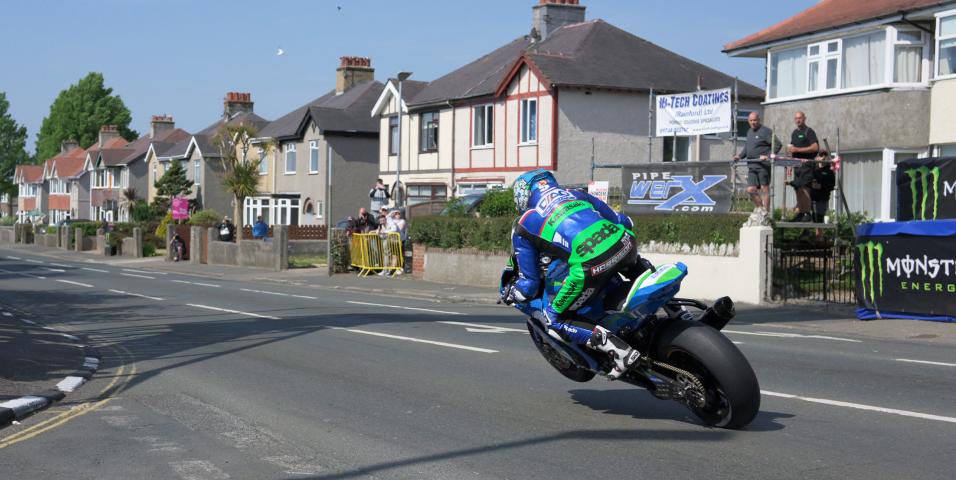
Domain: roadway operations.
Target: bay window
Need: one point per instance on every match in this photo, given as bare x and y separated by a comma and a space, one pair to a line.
787, 77
946, 45
483, 121
863, 60
908, 56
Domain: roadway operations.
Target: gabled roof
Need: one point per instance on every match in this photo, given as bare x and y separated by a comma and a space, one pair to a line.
597, 54
476, 79
831, 14
207, 147
65, 165
410, 88
163, 146
330, 112
242, 118
28, 174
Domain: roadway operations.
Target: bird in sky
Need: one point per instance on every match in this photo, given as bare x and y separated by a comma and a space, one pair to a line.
339, 7
280, 52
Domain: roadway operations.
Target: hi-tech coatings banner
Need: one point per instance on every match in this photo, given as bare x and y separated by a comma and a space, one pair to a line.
906, 270
694, 113
180, 208
681, 187
926, 189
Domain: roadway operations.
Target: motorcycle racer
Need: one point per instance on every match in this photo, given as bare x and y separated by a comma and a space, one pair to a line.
594, 242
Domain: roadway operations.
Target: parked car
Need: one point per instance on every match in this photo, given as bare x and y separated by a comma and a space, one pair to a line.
467, 205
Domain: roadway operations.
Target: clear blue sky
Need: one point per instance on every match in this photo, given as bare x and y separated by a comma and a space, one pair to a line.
179, 57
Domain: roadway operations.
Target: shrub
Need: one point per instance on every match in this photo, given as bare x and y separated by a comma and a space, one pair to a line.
161, 229
462, 232
140, 211
690, 229
51, 230
149, 249
159, 207
456, 207
89, 228
8, 220
205, 218
498, 203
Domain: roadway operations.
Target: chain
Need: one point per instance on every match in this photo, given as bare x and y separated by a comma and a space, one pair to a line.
689, 376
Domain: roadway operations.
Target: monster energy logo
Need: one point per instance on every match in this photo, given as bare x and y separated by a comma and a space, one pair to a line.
871, 269
922, 175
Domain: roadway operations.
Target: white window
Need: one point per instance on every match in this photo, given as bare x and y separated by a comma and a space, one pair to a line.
428, 136
393, 135
287, 211
477, 188
290, 158
529, 120
197, 171
483, 121
319, 209
823, 66
788, 73
864, 60
254, 207
155, 177
946, 45
263, 162
313, 156
908, 48
100, 178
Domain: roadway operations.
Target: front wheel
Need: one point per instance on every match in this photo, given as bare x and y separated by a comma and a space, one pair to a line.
564, 366
731, 396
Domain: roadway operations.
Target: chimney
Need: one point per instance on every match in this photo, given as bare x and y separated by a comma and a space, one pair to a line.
107, 133
353, 71
67, 145
160, 124
235, 103
550, 15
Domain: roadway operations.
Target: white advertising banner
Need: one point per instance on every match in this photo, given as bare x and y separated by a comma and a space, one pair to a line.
599, 189
694, 113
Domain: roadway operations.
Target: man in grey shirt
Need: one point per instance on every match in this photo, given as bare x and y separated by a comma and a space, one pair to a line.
756, 152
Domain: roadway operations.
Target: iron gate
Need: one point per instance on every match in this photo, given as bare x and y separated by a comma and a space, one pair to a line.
814, 273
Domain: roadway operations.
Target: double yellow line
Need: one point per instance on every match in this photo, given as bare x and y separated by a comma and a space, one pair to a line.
104, 396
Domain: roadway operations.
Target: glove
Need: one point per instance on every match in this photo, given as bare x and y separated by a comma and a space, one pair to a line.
512, 295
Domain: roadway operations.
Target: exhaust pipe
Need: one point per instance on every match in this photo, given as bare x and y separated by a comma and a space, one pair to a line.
719, 314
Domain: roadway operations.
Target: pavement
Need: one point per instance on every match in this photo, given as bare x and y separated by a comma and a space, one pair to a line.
240, 376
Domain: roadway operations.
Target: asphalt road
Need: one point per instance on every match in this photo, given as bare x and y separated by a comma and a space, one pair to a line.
214, 379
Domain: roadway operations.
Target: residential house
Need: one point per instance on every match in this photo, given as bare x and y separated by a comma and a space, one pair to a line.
876, 78
334, 126
169, 144
8, 205
569, 97
111, 163
31, 199
68, 192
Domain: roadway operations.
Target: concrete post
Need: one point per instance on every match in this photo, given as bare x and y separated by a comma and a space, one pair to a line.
755, 245
212, 235
195, 245
280, 246
170, 233
59, 236
101, 242
78, 240
137, 242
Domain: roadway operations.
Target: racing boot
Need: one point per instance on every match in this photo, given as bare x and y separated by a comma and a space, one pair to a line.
624, 356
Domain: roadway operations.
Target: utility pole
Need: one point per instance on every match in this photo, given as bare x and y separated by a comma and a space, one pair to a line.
399, 194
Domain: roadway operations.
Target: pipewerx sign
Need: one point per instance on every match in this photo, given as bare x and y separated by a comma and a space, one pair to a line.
911, 271
927, 189
687, 187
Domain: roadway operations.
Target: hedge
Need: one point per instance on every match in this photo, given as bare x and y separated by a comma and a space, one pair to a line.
490, 234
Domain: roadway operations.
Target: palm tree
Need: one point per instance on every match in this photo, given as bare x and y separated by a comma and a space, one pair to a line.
240, 176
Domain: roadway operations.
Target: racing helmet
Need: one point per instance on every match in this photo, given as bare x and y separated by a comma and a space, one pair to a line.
527, 182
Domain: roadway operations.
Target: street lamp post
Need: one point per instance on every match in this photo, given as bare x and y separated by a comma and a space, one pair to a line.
399, 194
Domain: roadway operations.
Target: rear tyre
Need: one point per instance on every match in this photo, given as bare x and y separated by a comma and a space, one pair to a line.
732, 393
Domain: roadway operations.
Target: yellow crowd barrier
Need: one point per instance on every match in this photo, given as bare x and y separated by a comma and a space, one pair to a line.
376, 252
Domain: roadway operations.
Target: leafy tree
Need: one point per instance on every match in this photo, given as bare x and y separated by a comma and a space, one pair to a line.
13, 151
173, 183
240, 175
78, 112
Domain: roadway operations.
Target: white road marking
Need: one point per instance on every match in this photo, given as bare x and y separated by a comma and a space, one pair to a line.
137, 295
418, 340
926, 362
76, 283
14, 258
71, 337
61, 265
25, 274
237, 312
404, 308
31, 322
70, 384
792, 335
60, 270
95, 270
479, 328
33, 261
138, 276
141, 271
738, 343
837, 403
197, 283
278, 294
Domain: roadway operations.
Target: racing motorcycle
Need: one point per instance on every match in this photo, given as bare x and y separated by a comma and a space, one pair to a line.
685, 357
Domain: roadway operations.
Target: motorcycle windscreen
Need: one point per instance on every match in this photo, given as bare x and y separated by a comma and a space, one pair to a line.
655, 288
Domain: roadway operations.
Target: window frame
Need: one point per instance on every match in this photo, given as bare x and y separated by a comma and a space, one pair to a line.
393, 123
526, 136
937, 39
483, 128
263, 162
197, 171
822, 59
287, 149
428, 130
314, 157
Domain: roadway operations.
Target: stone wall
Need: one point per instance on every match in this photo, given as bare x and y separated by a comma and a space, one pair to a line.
251, 253
7, 235
306, 247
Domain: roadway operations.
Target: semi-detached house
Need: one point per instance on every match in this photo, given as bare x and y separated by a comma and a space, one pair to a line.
31, 200
115, 165
571, 94
882, 73
68, 192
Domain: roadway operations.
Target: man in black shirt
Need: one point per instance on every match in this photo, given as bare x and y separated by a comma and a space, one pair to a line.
803, 145
760, 142
822, 183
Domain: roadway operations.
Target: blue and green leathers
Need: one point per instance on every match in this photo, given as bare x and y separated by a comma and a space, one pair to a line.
572, 227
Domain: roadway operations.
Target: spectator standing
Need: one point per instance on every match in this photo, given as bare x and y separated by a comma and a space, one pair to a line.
365, 222
227, 231
383, 220
803, 145
379, 195
821, 186
757, 152
395, 224
260, 230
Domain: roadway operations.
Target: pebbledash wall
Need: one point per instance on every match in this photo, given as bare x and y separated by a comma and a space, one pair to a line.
740, 272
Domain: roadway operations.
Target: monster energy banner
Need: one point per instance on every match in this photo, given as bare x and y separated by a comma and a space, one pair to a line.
682, 187
906, 270
926, 189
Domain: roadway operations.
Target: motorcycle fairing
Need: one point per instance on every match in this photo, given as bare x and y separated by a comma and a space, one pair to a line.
655, 288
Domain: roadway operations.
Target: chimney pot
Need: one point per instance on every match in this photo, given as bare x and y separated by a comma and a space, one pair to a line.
550, 15
107, 133
236, 102
353, 71
67, 145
